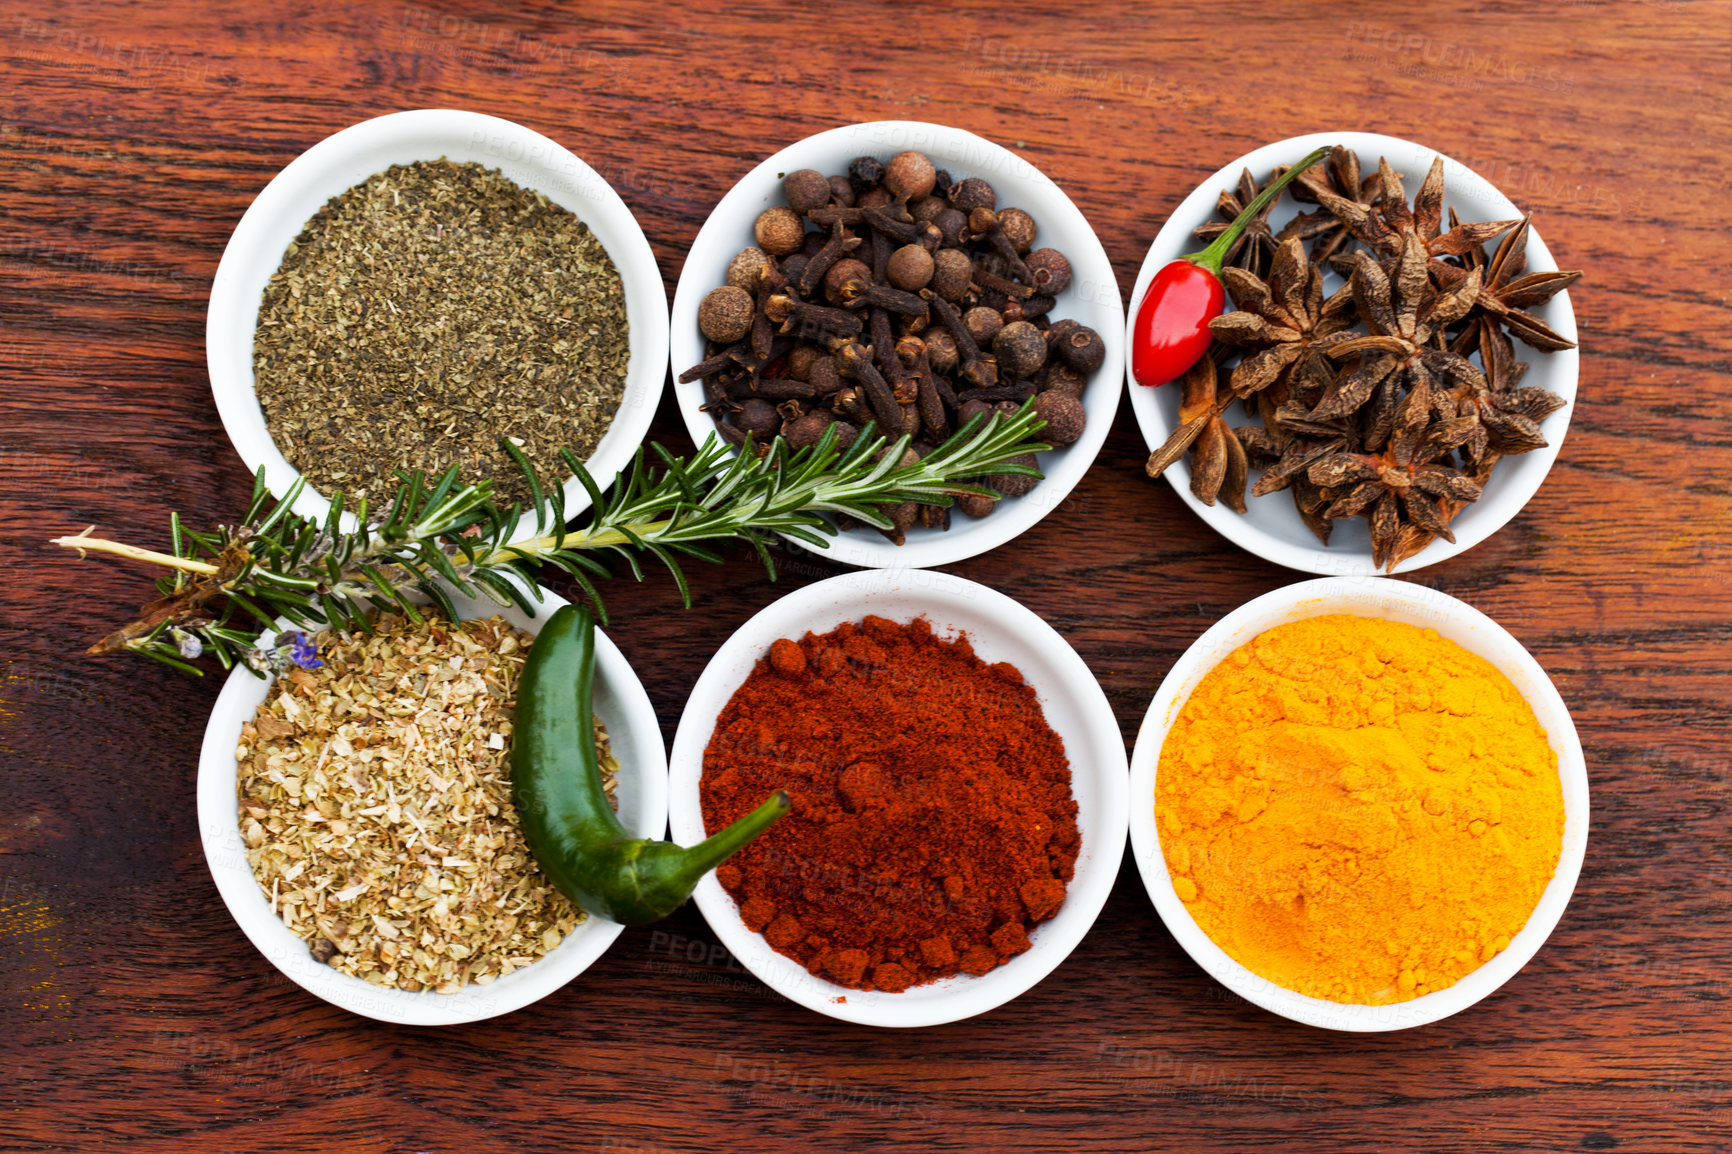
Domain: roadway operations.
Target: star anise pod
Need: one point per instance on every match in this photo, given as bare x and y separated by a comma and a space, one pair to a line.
1508, 413
1385, 224
1337, 177
1256, 245
1218, 462
1406, 494
1505, 293
1283, 322
1407, 318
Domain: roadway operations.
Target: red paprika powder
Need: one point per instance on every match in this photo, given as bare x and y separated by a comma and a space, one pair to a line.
932, 824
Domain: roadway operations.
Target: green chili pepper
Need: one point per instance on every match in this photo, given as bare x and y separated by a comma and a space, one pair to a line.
556, 783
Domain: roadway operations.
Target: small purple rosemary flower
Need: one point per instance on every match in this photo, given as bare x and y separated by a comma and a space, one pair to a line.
303, 652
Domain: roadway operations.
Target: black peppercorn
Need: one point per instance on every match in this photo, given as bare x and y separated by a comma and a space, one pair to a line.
1020, 349
806, 189
1050, 269
865, 172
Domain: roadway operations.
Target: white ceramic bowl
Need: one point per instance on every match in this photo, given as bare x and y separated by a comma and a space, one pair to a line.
1093, 299
1392, 601
1272, 528
1001, 630
635, 737
343, 160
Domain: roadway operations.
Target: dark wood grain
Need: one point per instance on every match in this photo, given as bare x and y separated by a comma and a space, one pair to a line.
135, 1015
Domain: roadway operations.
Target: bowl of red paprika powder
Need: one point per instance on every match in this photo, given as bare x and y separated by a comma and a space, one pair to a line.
959, 788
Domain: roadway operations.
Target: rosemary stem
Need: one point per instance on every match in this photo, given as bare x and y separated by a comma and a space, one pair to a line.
134, 553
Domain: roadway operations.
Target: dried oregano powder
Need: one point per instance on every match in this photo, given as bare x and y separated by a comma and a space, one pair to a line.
375, 804
425, 314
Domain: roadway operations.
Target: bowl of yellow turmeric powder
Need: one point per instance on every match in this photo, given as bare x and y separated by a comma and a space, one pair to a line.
1359, 803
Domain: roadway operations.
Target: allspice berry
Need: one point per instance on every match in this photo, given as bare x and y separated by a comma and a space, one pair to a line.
924, 208
759, 418
1018, 228
804, 432
800, 361
969, 410
910, 267
1020, 349
1050, 269
806, 189
725, 316
910, 174
1061, 378
974, 505
1082, 349
941, 352
973, 193
1014, 484
822, 373
1064, 416
779, 231
952, 227
982, 324
952, 273
747, 265
841, 273
842, 191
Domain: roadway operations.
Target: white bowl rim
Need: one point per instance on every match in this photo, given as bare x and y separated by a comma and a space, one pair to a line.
1096, 300
225, 853
370, 146
850, 597
1509, 490
1376, 597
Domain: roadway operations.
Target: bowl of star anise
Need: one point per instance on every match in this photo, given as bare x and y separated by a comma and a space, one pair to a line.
1395, 370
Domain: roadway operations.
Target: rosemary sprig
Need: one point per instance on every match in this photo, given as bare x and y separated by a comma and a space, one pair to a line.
228, 585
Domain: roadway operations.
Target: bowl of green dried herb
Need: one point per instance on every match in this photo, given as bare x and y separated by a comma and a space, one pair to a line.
911, 276
430, 289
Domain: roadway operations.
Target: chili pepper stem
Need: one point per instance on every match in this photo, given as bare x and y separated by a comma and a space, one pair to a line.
1212, 257
722, 845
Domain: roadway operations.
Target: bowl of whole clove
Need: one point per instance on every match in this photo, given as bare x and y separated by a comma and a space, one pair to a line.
1403, 346
910, 277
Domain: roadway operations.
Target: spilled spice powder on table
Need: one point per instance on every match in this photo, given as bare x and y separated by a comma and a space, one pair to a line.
933, 825
1358, 810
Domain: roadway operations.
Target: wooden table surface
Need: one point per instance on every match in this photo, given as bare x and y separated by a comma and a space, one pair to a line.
135, 1015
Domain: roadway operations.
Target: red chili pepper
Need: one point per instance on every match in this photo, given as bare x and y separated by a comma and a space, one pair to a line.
1172, 329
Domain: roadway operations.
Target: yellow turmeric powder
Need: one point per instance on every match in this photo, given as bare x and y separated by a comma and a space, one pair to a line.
1357, 809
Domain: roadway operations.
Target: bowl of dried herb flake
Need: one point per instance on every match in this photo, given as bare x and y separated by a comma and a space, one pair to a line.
356, 813
418, 289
